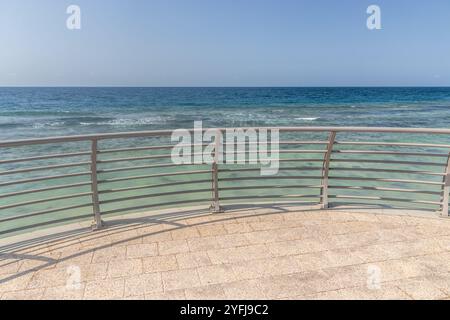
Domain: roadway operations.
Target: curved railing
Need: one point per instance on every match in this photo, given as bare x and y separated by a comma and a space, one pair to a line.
56, 180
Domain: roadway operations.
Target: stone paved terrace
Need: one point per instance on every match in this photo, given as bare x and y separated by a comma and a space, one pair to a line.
268, 252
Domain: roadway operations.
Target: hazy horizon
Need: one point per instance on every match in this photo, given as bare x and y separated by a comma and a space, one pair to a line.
222, 87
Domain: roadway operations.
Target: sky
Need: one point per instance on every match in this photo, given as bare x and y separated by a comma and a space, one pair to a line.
225, 43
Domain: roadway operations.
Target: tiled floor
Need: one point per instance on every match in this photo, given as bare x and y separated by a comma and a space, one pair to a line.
273, 252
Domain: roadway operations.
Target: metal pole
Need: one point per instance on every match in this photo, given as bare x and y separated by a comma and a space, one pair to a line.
97, 224
446, 190
215, 206
326, 170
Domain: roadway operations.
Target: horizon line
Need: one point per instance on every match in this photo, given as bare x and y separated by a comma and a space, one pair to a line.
224, 87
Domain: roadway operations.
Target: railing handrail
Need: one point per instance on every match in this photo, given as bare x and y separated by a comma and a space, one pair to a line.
141, 134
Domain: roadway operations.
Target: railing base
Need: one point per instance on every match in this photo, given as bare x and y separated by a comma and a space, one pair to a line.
443, 215
324, 206
216, 208
97, 226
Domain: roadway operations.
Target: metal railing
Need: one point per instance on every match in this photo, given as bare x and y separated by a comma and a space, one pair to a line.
363, 167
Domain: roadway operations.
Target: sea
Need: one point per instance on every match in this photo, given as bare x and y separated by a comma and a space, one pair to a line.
41, 112
35, 112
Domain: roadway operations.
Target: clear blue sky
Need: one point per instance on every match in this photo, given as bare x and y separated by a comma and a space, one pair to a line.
225, 43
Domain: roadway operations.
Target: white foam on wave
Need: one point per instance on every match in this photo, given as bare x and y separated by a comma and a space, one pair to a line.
47, 124
127, 122
307, 119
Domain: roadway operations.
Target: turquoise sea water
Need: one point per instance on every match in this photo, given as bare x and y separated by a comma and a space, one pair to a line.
46, 112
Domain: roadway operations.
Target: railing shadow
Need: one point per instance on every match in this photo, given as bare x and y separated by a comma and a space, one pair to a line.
174, 220
23, 250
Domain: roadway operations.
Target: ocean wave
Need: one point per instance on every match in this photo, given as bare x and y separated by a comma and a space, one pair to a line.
127, 122
308, 119
47, 124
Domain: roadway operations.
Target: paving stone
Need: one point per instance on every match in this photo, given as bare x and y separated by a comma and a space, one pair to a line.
203, 244
104, 289
109, 254
192, 260
231, 255
185, 233
421, 289
243, 290
211, 230
159, 263
51, 278
143, 284
211, 292
233, 228
216, 274
180, 279
15, 282
142, 250
167, 295
64, 293
9, 266
33, 294
258, 253
360, 293
284, 286
172, 247
124, 268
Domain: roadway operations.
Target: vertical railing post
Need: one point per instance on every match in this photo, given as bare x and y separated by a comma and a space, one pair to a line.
94, 187
445, 190
215, 206
325, 171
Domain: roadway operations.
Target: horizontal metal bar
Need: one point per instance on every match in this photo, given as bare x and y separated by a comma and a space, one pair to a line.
151, 166
44, 168
50, 156
280, 169
69, 175
389, 171
152, 195
88, 137
150, 148
270, 187
270, 178
280, 160
162, 185
391, 153
235, 152
384, 199
280, 142
155, 205
272, 197
158, 133
21, 204
386, 189
390, 162
202, 145
154, 176
275, 151
60, 187
394, 144
301, 160
38, 213
163, 165
388, 180
136, 158
303, 142
417, 206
